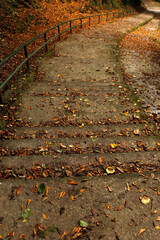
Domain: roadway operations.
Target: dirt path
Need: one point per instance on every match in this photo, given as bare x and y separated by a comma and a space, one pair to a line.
82, 122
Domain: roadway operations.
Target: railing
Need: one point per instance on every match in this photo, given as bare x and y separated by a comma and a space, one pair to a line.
97, 18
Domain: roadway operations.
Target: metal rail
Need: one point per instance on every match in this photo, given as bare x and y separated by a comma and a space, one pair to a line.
97, 18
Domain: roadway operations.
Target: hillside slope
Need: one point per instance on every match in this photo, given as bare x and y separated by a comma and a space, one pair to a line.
21, 20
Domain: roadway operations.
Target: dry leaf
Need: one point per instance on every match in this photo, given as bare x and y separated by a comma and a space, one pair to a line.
82, 190
108, 206
18, 190
28, 202
76, 230
47, 190
63, 235
72, 198
110, 170
72, 182
11, 234
157, 227
23, 236
45, 216
145, 200
108, 188
128, 188
141, 231
136, 131
44, 199
101, 159
113, 145
158, 218
61, 195
34, 232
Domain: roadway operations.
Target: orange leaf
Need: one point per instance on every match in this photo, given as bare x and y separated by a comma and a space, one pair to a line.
34, 232
18, 190
11, 234
72, 198
101, 159
141, 231
28, 202
47, 190
61, 195
45, 216
75, 230
72, 182
63, 235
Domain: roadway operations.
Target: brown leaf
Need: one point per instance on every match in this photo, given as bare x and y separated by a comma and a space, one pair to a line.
22, 236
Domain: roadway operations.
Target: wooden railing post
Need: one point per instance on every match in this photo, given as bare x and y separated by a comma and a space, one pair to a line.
59, 32
70, 24
106, 17
45, 39
26, 56
99, 18
81, 22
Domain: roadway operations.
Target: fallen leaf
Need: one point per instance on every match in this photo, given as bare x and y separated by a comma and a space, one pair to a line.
22, 236
128, 187
72, 182
141, 231
113, 145
110, 170
45, 216
158, 218
136, 131
157, 227
101, 159
108, 206
28, 202
41, 188
63, 235
108, 188
145, 200
26, 213
47, 190
72, 198
61, 195
83, 224
18, 190
11, 234
76, 230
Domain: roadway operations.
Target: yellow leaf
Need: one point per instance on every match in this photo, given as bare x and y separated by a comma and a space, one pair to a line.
158, 218
110, 170
145, 200
89, 174
157, 227
141, 231
128, 188
113, 145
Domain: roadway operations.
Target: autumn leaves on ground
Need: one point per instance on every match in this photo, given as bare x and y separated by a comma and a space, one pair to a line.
80, 152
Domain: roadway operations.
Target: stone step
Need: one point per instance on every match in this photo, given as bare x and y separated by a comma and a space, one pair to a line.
59, 161
80, 145
81, 131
